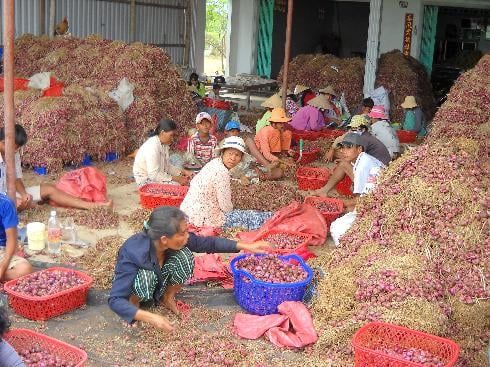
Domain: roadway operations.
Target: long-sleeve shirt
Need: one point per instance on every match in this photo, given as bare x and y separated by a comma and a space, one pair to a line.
138, 252
308, 118
209, 195
151, 163
263, 122
383, 131
8, 356
270, 140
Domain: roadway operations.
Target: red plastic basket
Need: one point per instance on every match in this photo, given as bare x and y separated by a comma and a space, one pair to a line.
46, 307
344, 186
306, 238
374, 336
406, 136
307, 157
215, 103
21, 339
331, 133
310, 178
305, 135
171, 195
329, 216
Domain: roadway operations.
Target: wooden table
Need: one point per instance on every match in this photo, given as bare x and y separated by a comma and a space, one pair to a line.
247, 83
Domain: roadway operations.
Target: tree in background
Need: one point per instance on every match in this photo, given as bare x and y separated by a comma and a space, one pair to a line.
216, 24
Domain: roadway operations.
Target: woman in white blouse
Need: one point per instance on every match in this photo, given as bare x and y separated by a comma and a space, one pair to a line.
152, 165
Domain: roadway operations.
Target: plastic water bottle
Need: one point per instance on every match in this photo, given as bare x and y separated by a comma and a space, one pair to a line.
54, 234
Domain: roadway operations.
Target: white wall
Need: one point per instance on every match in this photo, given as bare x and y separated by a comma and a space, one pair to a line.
198, 33
393, 25
242, 36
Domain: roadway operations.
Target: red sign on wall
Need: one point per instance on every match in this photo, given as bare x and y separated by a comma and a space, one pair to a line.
407, 34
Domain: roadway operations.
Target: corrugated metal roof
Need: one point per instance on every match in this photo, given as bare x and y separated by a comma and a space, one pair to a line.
111, 19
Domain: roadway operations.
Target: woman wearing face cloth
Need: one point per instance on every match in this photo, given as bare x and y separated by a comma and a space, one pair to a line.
151, 164
152, 265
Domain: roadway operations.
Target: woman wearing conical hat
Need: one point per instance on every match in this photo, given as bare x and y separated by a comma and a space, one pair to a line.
414, 117
310, 117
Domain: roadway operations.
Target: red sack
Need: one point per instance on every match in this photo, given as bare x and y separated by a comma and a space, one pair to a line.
19, 84
53, 91
210, 267
292, 328
295, 217
204, 231
86, 183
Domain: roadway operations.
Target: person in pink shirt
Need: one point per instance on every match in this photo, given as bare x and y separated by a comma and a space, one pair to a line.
310, 117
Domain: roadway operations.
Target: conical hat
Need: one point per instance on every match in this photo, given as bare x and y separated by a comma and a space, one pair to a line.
320, 101
273, 101
288, 92
300, 88
328, 90
409, 102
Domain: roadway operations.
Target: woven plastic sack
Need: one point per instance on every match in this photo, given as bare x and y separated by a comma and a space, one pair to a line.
292, 328
295, 217
86, 183
211, 267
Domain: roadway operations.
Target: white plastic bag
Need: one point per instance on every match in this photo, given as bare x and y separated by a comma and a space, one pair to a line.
381, 97
40, 80
123, 95
341, 225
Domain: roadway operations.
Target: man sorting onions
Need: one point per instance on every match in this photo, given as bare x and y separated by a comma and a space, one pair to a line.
365, 171
152, 265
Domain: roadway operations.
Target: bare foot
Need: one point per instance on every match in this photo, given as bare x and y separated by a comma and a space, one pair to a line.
171, 304
108, 204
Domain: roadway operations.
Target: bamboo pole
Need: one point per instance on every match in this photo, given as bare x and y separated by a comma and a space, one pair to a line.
287, 52
42, 17
8, 94
52, 16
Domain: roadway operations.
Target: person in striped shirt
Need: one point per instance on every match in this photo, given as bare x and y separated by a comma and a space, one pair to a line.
202, 144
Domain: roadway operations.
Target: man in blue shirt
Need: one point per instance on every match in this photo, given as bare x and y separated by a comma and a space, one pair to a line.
11, 266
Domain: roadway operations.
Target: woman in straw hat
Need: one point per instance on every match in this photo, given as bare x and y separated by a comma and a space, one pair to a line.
310, 117
414, 117
274, 140
270, 103
335, 114
303, 94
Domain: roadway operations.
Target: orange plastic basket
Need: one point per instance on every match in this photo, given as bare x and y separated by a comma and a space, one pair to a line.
310, 178
329, 216
45, 307
303, 237
344, 186
406, 136
307, 157
371, 340
155, 195
22, 339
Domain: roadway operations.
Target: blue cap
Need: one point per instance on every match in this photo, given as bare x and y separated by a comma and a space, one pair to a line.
230, 125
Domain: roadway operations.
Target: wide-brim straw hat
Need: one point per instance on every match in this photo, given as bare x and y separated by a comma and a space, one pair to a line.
279, 115
409, 102
320, 101
234, 142
273, 101
288, 92
358, 121
300, 88
328, 90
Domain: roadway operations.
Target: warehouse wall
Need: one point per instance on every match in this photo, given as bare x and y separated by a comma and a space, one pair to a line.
163, 26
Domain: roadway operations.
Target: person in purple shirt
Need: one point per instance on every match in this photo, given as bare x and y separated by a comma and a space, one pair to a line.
152, 265
311, 117
8, 356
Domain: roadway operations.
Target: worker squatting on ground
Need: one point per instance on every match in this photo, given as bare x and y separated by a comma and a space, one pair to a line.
365, 171
152, 265
414, 119
28, 197
381, 128
151, 163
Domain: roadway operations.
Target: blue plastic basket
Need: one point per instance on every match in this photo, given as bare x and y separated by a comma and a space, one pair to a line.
42, 171
262, 298
111, 156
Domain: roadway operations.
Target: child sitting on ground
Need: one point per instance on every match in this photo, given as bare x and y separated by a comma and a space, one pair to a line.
202, 144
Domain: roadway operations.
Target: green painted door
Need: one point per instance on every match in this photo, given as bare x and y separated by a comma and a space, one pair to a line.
264, 42
428, 37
